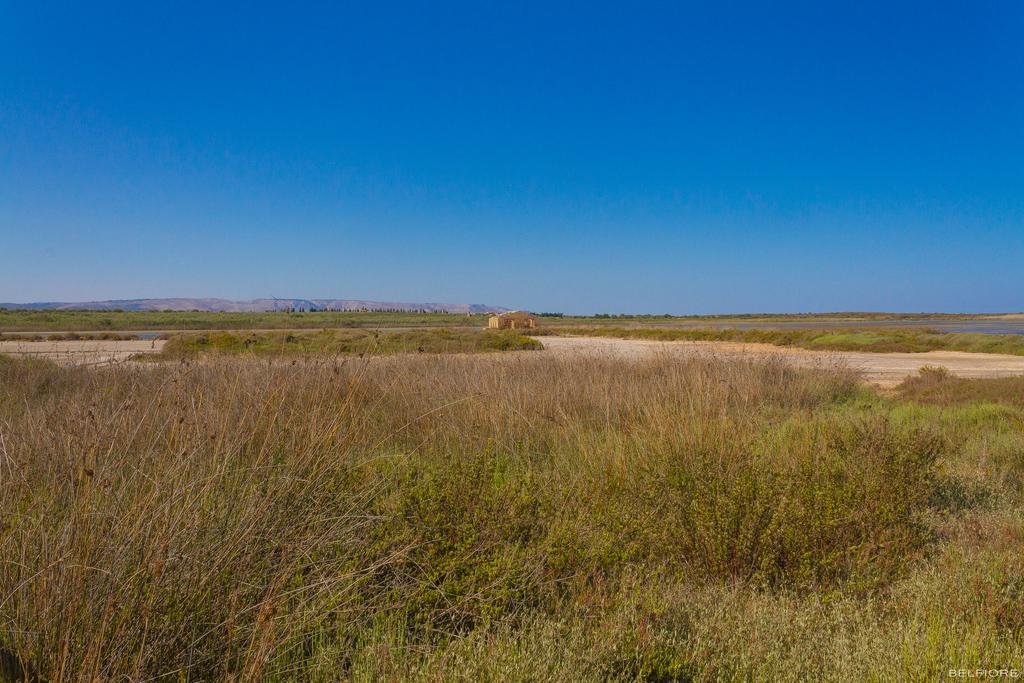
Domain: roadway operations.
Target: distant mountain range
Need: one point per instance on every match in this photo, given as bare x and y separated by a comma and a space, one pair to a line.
253, 305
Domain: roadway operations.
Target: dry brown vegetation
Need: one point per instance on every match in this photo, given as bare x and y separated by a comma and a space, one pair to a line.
524, 517
68, 336
936, 385
339, 341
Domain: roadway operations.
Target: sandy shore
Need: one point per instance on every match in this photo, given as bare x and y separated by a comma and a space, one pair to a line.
885, 369
84, 352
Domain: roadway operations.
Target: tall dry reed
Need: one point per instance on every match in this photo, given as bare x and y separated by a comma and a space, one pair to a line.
249, 519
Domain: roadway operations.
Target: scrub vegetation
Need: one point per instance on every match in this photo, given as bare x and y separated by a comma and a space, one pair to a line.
936, 386
68, 336
328, 342
526, 516
879, 340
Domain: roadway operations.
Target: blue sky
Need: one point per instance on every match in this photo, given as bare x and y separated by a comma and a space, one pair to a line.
578, 157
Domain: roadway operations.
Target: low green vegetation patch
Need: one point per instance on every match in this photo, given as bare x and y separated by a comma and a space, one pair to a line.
879, 340
441, 340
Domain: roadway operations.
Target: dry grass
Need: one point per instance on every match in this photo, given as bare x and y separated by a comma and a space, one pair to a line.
68, 336
525, 516
333, 342
937, 386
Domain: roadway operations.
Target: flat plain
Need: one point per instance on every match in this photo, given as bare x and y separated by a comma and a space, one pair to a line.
448, 505
885, 369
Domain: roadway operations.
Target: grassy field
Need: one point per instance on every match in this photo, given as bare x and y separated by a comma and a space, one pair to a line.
442, 340
47, 321
524, 517
16, 320
878, 340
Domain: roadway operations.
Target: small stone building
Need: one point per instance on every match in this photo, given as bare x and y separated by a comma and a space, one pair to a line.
512, 320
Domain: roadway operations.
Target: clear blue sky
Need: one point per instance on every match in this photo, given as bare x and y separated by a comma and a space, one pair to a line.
578, 157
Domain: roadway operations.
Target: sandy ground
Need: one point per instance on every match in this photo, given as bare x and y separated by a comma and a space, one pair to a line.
85, 352
885, 369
